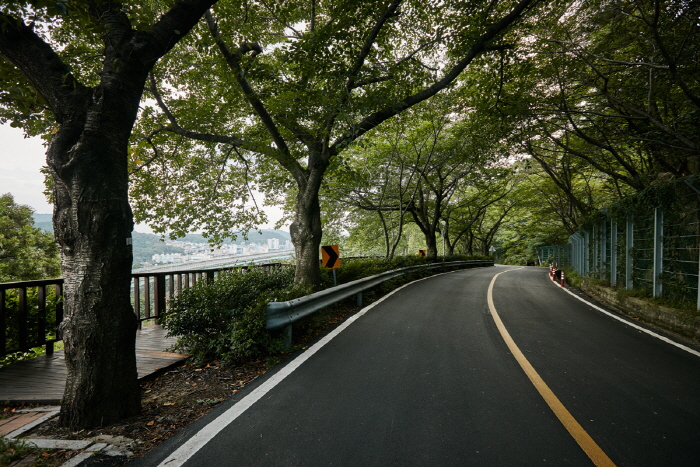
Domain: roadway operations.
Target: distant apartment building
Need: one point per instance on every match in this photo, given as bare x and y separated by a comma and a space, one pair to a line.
167, 258
199, 257
273, 243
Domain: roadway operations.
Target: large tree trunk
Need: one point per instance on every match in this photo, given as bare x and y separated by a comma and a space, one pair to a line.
93, 224
431, 243
306, 235
306, 230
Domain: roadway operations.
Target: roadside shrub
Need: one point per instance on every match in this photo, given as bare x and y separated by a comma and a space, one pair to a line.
354, 269
622, 294
225, 319
572, 277
515, 260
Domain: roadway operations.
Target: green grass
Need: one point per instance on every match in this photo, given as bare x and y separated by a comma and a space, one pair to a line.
12, 450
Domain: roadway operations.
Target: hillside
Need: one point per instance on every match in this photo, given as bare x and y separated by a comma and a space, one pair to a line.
43, 221
146, 245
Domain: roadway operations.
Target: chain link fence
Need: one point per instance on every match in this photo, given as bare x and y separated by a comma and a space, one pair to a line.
649, 243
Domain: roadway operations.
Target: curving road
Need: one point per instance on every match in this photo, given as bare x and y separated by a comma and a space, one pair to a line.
426, 378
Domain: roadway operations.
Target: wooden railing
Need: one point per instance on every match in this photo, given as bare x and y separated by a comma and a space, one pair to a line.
31, 311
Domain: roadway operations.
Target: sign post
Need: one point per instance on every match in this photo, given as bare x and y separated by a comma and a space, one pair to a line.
330, 259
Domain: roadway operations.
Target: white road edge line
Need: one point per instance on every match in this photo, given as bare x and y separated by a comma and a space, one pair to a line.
629, 323
178, 457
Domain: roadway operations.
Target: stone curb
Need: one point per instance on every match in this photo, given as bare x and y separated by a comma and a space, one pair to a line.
89, 447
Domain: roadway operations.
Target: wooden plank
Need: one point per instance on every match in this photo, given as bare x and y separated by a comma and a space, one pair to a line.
18, 421
43, 379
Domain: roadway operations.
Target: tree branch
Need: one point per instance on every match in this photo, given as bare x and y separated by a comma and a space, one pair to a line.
283, 156
479, 46
36, 59
208, 137
390, 12
279, 20
172, 26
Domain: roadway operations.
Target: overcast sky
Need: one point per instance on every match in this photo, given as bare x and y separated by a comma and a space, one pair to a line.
21, 160
20, 163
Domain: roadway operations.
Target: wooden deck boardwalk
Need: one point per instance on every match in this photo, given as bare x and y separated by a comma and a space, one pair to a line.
42, 380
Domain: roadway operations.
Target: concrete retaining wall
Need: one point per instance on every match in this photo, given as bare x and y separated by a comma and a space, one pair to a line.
681, 322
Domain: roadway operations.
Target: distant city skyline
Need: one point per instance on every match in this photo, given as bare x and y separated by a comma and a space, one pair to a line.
21, 160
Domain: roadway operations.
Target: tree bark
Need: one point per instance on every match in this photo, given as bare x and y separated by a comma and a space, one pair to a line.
93, 224
306, 229
306, 233
432, 252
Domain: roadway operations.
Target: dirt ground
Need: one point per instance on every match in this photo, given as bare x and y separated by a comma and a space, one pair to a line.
170, 401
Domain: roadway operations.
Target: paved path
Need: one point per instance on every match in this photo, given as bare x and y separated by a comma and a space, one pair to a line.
43, 379
427, 378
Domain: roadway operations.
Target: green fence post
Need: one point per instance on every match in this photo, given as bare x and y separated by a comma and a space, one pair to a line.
658, 250
603, 249
613, 252
629, 244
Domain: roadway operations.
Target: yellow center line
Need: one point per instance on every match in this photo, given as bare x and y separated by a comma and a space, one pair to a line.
583, 439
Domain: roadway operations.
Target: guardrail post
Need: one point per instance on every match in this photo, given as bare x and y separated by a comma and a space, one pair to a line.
287, 333
359, 300
658, 250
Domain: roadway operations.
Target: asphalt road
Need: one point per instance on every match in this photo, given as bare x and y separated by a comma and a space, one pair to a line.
425, 378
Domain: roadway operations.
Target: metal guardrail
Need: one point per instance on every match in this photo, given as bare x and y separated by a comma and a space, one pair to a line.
283, 314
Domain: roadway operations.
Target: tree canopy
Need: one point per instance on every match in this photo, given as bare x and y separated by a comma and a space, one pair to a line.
288, 87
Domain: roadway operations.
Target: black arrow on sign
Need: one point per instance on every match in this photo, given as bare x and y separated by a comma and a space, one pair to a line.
332, 256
